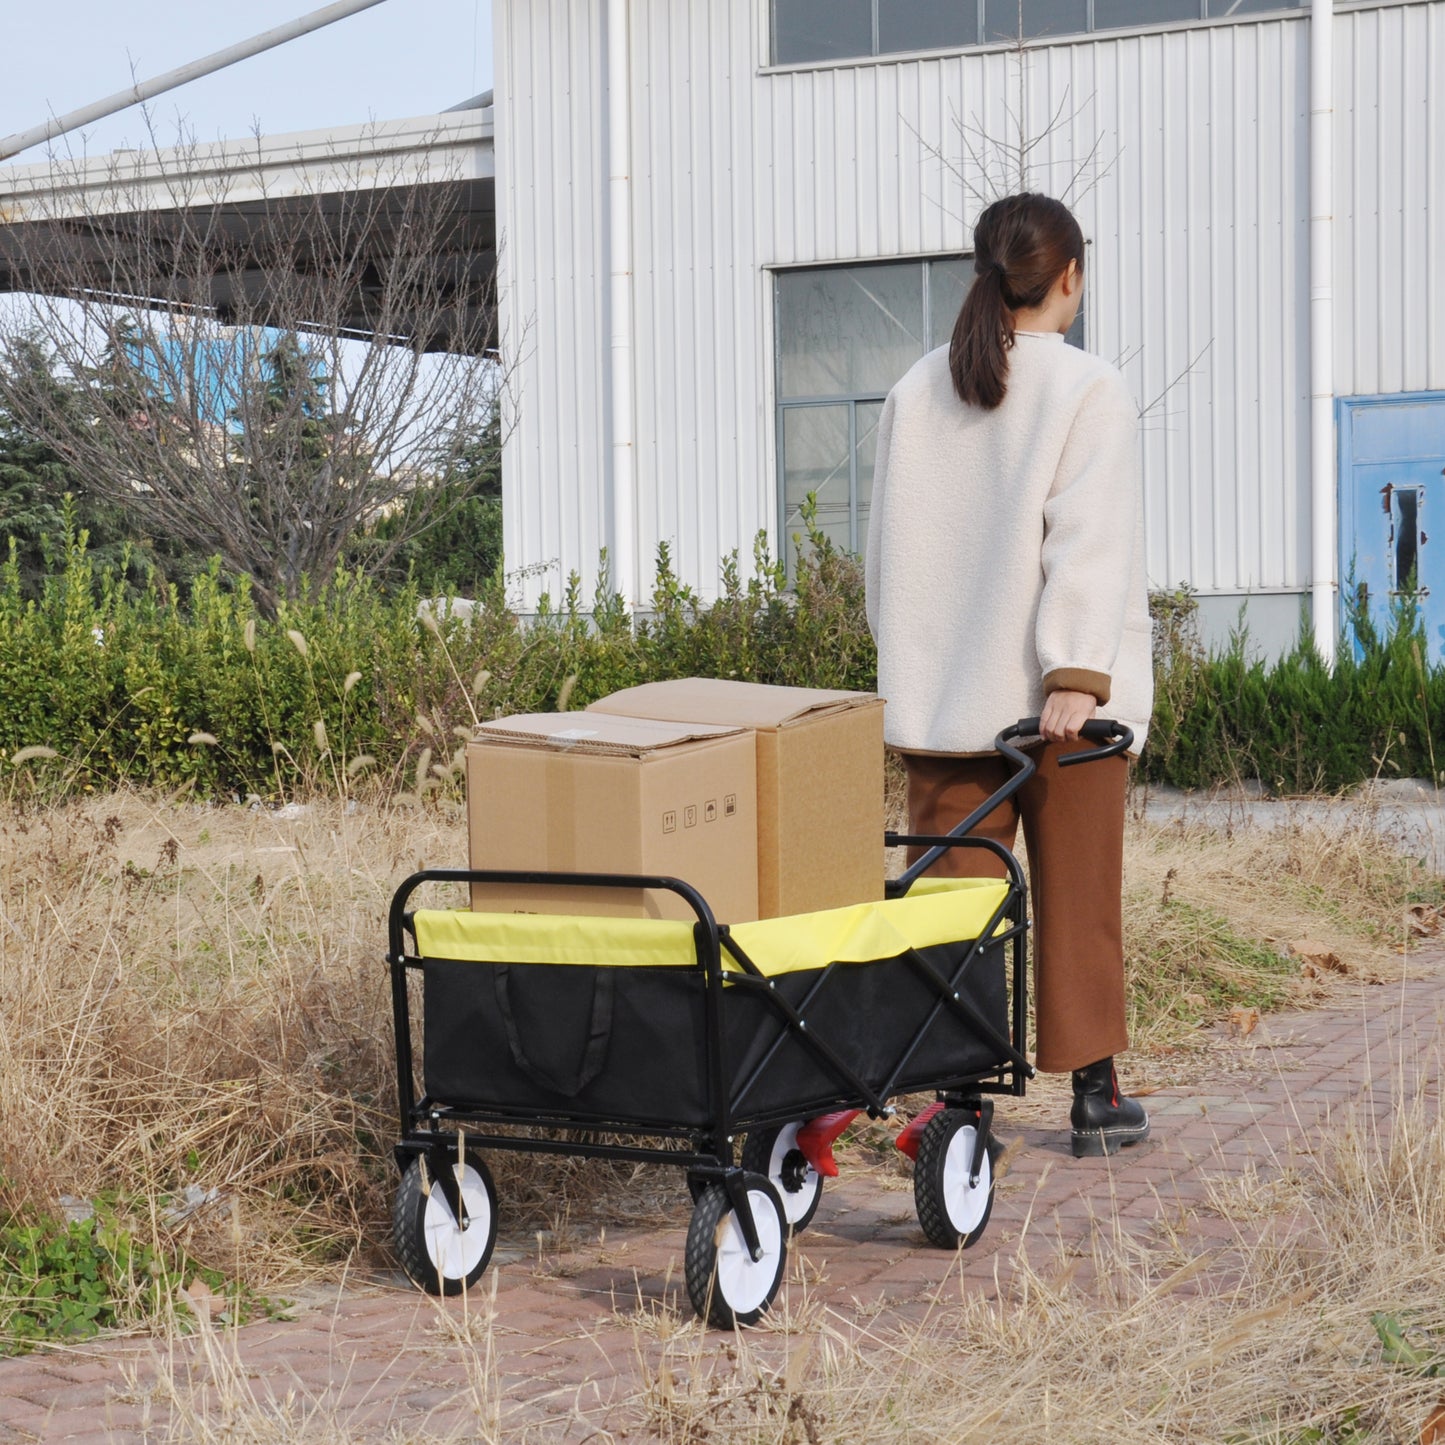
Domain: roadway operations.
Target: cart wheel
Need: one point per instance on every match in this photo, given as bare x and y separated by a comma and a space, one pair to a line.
952, 1212
435, 1251
726, 1285
774, 1154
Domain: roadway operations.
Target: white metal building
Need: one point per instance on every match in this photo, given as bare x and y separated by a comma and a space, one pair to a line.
727, 226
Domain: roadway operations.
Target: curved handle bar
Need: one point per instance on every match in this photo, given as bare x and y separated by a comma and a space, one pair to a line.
1099, 730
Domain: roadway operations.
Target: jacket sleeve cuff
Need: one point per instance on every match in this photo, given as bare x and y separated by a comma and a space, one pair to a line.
1078, 679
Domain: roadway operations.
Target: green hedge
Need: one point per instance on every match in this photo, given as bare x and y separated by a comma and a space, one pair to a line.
347, 683
1295, 724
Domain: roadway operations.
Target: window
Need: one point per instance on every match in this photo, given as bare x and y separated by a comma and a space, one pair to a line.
845, 334
823, 30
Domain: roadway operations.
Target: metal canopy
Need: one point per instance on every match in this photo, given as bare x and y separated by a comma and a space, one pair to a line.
251, 217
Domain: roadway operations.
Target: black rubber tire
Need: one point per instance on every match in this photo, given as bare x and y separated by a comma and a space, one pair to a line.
410, 1222
935, 1179
800, 1203
726, 1288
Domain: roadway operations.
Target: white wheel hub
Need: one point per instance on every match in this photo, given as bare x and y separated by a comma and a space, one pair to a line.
799, 1199
965, 1204
743, 1282
455, 1252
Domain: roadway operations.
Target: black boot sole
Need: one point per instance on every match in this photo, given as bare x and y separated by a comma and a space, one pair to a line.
1097, 1143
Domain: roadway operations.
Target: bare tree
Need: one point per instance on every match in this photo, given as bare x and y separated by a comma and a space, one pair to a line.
992, 163
258, 358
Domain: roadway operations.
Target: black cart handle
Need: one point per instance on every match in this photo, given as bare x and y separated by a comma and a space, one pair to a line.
1098, 730
1115, 735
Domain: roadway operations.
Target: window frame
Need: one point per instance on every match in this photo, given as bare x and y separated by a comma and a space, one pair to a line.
1296, 11
852, 400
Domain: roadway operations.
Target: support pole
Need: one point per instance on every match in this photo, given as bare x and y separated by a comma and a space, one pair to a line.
1324, 505
623, 546
145, 90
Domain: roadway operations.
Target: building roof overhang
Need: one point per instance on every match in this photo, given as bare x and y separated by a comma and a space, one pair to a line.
261, 199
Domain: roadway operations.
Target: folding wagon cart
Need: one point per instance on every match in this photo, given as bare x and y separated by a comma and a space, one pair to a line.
668, 1042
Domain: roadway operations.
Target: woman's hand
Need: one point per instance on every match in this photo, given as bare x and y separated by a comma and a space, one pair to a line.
1065, 713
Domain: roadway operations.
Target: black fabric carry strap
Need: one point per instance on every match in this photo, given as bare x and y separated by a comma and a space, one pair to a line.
599, 1034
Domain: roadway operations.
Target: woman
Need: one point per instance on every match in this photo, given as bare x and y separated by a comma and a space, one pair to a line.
1005, 580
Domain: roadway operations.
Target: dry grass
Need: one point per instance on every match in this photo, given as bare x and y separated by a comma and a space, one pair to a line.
1269, 1339
195, 996
1210, 918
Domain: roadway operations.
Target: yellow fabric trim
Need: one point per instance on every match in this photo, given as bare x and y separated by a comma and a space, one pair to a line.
553, 938
943, 912
936, 910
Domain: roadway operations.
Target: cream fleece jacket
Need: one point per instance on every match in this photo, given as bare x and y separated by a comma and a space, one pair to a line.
1006, 550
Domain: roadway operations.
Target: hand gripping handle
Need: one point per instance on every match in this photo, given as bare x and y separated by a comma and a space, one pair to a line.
1115, 735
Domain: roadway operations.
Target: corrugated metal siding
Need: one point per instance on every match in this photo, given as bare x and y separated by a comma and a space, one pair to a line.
1206, 317
552, 225
1390, 183
1198, 277
698, 298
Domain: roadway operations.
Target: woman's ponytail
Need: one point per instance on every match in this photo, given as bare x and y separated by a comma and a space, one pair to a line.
1022, 245
982, 335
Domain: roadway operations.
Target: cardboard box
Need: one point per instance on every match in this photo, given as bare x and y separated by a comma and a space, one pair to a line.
820, 782
585, 793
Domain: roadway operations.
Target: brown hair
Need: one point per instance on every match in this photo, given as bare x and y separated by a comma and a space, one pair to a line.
1021, 246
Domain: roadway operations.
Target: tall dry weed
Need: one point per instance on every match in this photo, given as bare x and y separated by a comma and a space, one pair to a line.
194, 1011
193, 999
1282, 1336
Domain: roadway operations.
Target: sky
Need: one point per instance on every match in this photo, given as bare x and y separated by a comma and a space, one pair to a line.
398, 59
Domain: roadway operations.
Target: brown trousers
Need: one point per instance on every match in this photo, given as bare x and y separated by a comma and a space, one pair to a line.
1074, 830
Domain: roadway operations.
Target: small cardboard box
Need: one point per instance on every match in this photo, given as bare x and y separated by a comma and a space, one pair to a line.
820, 781
585, 793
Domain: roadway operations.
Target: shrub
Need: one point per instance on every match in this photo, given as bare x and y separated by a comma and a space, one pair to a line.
1293, 723
347, 679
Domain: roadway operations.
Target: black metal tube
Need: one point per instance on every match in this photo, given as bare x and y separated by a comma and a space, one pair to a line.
1117, 736
898, 887
947, 994
792, 1015
397, 919
1100, 730
635, 1153
715, 1070
401, 1027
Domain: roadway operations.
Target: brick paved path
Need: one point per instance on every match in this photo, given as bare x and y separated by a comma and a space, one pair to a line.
572, 1329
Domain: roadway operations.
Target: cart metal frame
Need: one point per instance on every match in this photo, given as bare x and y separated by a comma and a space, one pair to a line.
438, 1132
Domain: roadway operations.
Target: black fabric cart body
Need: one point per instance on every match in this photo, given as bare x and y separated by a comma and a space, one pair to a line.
664, 1041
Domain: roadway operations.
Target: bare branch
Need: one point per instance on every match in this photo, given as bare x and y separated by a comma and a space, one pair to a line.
254, 365
1176, 381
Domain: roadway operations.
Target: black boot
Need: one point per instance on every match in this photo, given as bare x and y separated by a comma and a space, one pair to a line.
1104, 1121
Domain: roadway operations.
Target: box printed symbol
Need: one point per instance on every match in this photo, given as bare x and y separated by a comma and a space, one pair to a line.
730, 805
689, 816
709, 811
669, 822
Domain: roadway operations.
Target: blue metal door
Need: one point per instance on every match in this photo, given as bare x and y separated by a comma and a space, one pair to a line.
1392, 498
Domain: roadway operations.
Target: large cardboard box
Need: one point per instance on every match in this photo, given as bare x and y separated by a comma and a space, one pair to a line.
586, 793
820, 781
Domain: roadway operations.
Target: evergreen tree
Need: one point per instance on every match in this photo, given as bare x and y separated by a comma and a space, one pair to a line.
457, 550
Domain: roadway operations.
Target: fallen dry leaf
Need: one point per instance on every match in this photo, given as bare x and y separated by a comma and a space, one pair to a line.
1432, 1432
1243, 1022
1311, 952
199, 1296
1422, 920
